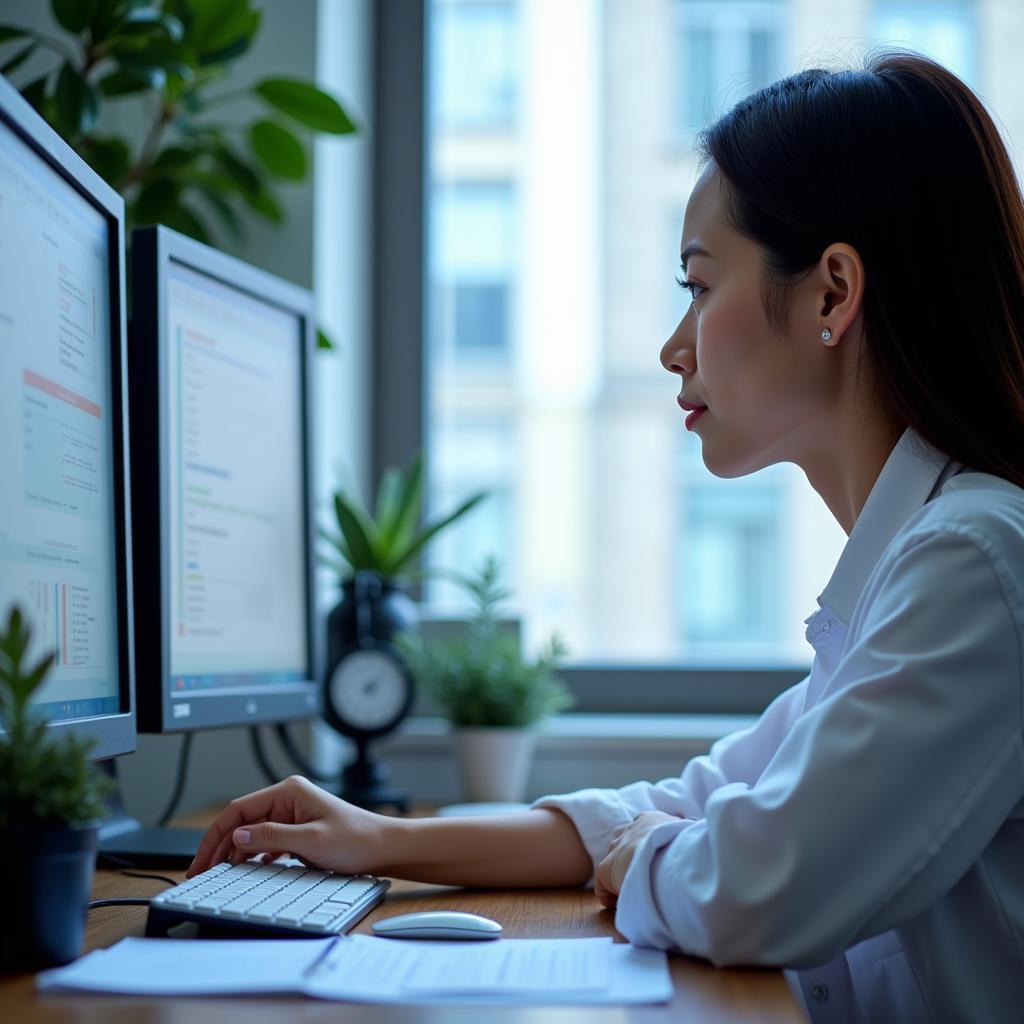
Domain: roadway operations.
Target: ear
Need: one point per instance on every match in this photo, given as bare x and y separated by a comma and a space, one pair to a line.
839, 279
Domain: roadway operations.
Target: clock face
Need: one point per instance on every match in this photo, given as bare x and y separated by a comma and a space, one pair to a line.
368, 690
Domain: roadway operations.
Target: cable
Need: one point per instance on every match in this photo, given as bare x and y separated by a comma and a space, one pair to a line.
299, 759
261, 755
157, 878
179, 783
118, 903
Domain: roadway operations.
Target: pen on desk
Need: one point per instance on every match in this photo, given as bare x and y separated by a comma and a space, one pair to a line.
323, 956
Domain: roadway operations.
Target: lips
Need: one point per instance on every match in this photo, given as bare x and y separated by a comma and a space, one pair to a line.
695, 409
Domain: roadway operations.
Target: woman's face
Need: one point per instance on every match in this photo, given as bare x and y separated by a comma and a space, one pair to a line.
766, 393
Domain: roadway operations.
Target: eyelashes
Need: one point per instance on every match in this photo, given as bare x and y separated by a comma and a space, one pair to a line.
689, 286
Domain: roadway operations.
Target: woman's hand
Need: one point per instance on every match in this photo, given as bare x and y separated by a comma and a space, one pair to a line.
625, 839
294, 817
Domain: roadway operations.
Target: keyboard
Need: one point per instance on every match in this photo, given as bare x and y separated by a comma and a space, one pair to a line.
280, 899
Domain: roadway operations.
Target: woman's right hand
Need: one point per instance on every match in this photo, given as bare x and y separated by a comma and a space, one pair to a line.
296, 817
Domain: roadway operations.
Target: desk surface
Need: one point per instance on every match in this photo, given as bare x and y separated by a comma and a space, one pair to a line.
703, 993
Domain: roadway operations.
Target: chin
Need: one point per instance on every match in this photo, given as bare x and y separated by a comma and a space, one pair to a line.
729, 462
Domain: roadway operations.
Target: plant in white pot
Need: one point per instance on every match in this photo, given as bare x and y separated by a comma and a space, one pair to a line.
51, 800
493, 697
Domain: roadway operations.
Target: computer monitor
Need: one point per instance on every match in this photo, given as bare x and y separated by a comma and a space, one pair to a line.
220, 362
65, 554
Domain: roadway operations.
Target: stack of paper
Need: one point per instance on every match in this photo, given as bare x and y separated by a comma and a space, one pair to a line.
364, 969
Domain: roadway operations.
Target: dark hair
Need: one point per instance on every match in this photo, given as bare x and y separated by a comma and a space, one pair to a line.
901, 161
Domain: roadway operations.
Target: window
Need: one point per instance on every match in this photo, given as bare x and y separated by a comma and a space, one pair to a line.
554, 231
729, 49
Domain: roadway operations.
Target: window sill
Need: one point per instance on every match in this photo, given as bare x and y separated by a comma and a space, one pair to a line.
574, 751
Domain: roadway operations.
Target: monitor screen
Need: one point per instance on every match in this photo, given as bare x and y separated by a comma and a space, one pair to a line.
233, 508
62, 529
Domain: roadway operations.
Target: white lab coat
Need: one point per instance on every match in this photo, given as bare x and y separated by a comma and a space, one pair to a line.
868, 831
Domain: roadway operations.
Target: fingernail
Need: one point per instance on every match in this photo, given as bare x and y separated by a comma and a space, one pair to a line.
243, 837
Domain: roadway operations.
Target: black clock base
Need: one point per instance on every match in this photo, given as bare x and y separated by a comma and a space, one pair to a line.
364, 783
377, 797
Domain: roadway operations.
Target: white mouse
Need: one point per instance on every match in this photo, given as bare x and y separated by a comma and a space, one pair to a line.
437, 924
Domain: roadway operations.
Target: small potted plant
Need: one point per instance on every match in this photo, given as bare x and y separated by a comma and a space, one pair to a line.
386, 545
51, 800
493, 697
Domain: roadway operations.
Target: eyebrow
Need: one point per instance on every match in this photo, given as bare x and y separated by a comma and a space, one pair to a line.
693, 249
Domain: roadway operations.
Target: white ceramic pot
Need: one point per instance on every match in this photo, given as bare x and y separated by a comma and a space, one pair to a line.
494, 762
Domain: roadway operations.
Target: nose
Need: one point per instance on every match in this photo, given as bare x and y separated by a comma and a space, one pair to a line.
678, 354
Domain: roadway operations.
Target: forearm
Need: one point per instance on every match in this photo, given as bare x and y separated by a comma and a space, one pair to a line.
536, 848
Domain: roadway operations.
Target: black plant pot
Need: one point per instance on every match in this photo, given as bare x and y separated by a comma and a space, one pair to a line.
389, 610
44, 911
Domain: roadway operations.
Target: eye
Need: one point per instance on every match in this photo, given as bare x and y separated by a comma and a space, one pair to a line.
692, 287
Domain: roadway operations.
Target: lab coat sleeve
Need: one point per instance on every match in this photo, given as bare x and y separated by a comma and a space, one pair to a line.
882, 795
739, 757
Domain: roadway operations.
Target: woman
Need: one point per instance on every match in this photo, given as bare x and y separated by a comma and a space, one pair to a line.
855, 253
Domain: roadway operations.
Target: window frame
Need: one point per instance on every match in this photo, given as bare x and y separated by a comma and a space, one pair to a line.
400, 365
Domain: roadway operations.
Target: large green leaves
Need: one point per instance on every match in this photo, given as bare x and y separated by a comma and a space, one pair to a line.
279, 150
74, 15
306, 104
78, 103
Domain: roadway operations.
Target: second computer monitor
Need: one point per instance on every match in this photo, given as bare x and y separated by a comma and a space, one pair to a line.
220, 381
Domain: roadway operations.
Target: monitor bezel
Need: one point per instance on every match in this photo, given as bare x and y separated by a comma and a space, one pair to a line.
153, 251
112, 734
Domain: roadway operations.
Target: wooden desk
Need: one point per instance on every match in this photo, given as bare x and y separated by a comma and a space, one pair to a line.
703, 994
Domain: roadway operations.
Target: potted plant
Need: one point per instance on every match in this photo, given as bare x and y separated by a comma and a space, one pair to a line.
51, 800
492, 696
386, 545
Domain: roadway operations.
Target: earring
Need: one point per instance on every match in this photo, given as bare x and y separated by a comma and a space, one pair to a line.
826, 334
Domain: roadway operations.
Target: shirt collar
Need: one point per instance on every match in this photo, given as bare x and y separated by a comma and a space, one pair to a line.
909, 478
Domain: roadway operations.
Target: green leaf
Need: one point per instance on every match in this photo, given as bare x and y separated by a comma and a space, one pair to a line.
408, 514
109, 157
245, 179
166, 58
306, 104
281, 152
74, 15
267, 206
9, 32
323, 339
144, 19
128, 81
237, 46
174, 158
35, 92
389, 505
77, 103
156, 201
18, 59
217, 23
188, 222
214, 197
357, 531
407, 555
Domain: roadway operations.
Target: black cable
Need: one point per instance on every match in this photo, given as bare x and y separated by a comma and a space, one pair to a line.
179, 782
118, 903
157, 878
261, 755
299, 760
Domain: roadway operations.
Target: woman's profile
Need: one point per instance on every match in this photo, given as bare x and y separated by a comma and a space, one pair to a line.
854, 248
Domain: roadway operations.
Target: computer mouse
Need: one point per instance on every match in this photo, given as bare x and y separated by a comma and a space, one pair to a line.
437, 924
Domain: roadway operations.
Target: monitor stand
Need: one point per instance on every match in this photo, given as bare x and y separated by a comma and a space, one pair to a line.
125, 842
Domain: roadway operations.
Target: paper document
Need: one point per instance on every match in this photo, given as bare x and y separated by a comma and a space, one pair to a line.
361, 968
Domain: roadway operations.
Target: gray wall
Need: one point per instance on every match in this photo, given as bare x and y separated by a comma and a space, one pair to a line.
222, 765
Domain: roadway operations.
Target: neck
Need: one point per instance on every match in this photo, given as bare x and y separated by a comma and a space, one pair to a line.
844, 470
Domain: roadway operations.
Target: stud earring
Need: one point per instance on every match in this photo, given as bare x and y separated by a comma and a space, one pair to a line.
826, 334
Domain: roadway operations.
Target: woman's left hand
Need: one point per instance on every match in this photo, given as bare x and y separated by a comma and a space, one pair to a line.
625, 839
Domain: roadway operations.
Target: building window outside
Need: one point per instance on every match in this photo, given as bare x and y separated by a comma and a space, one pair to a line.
475, 55
730, 48
554, 240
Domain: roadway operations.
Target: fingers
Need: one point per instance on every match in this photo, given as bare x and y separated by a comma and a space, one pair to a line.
273, 837
274, 802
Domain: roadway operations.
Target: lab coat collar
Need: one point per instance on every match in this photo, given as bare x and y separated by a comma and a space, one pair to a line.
909, 478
